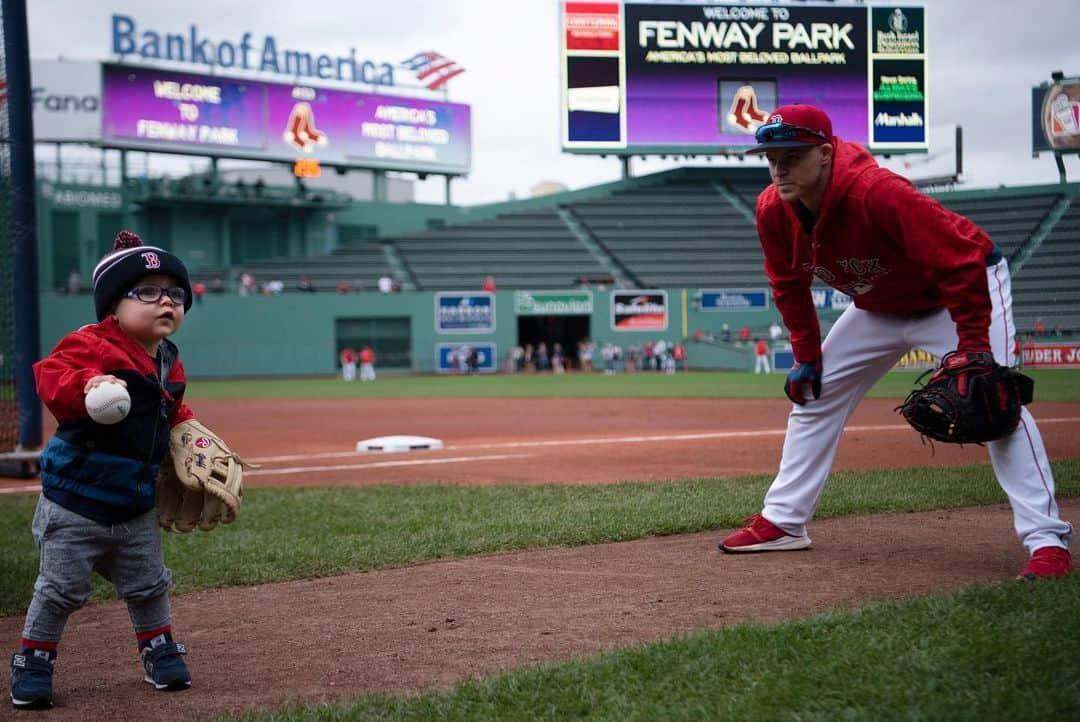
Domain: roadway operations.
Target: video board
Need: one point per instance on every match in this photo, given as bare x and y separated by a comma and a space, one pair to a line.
652, 77
176, 112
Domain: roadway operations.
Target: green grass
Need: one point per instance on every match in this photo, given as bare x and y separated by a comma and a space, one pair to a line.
980, 654
301, 533
1056, 385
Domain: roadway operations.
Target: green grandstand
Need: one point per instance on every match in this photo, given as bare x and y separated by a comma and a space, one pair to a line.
681, 231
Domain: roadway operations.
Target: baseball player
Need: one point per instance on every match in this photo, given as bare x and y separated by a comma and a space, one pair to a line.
97, 511
920, 276
367, 364
348, 364
761, 356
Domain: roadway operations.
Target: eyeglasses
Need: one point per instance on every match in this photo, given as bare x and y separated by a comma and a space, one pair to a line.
780, 130
153, 294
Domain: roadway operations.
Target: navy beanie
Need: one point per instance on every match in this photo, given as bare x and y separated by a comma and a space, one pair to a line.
129, 261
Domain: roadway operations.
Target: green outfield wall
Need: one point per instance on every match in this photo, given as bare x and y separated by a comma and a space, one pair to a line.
297, 334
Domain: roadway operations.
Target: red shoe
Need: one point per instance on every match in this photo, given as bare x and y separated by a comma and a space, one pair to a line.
762, 536
1046, 563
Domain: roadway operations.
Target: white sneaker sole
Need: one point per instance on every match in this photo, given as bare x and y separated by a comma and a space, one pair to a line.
31, 703
786, 544
176, 687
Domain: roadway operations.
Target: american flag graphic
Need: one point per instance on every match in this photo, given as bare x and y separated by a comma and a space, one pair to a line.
433, 69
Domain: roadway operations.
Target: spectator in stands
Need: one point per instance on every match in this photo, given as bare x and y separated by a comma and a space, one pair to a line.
586, 348
558, 363
607, 354
247, 284
761, 356
528, 358
1057, 329
1040, 328
489, 284
217, 286
344, 287
744, 334
725, 333
678, 355
198, 290
776, 331
260, 187
660, 352
669, 358
74, 282
305, 285
543, 360
386, 284
472, 360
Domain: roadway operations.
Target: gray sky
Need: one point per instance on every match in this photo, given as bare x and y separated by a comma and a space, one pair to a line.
984, 58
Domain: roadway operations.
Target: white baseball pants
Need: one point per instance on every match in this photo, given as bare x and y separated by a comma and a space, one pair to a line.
859, 349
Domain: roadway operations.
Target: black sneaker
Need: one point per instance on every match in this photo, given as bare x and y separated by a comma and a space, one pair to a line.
31, 682
165, 668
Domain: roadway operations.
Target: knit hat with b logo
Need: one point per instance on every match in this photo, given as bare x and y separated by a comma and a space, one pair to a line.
129, 261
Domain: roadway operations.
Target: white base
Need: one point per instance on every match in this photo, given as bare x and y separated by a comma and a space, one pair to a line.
392, 444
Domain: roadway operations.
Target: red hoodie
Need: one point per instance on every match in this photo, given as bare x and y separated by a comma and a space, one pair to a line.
881, 241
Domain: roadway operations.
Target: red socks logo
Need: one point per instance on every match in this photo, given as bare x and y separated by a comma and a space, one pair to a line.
300, 131
744, 112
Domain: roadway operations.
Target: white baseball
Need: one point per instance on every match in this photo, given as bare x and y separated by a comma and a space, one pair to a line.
108, 403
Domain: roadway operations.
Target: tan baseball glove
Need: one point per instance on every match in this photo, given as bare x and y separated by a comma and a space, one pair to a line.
205, 464
181, 509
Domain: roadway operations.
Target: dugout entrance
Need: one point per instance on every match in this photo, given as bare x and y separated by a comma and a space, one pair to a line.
552, 317
564, 330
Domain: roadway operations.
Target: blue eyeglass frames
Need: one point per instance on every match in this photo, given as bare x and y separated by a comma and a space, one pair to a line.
784, 131
153, 294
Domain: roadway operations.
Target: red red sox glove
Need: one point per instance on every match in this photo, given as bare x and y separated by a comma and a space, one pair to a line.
969, 399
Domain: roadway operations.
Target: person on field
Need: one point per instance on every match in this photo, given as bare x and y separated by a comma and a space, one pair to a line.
367, 364
348, 364
761, 356
96, 512
920, 276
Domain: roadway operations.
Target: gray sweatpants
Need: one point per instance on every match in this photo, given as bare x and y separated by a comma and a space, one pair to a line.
73, 547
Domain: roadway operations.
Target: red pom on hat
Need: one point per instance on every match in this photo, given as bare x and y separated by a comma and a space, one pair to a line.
126, 239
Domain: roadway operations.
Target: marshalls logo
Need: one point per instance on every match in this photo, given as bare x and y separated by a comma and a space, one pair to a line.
151, 259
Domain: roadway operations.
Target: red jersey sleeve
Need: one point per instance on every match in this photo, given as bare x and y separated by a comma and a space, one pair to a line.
790, 284
181, 412
949, 246
61, 376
